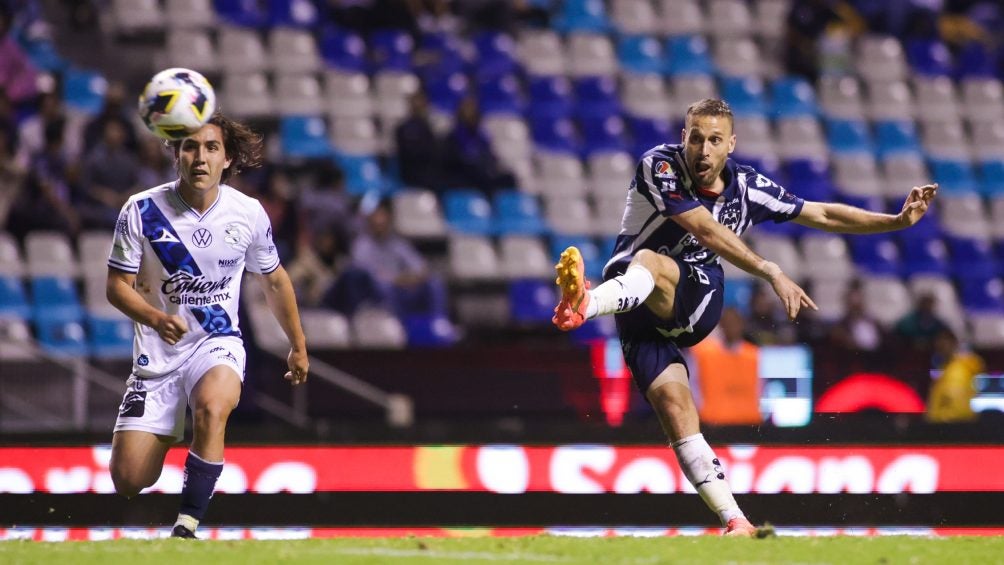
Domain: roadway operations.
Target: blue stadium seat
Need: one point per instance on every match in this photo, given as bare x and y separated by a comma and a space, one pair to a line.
688, 55
582, 15
975, 61
793, 97
953, 176
110, 338
925, 256
443, 56
555, 134
810, 179
982, 295
745, 95
391, 50
13, 298
500, 95
517, 213
550, 97
84, 91
362, 174
55, 299
596, 97
344, 50
641, 54
496, 53
927, 228
304, 137
446, 92
45, 57
848, 136
972, 258
649, 132
767, 166
896, 137
875, 254
593, 256
242, 12
607, 245
61, 338
738, 293
430, 330
532, 301
292, 13
929, 57
603, 135
468, 211
992, 177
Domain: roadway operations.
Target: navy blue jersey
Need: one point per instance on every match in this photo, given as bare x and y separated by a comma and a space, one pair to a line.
662, 187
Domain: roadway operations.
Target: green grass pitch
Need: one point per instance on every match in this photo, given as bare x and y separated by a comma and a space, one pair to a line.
701, 550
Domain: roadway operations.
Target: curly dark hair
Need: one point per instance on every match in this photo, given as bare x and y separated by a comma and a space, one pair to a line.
243, 146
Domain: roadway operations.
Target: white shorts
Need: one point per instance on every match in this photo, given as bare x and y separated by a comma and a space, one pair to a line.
158, 405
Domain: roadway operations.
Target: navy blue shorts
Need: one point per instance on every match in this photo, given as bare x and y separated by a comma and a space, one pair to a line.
651, 344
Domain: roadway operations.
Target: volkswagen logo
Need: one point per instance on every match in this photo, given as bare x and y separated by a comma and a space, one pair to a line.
202, 237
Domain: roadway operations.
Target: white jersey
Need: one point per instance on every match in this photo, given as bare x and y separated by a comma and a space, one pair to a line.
189, 265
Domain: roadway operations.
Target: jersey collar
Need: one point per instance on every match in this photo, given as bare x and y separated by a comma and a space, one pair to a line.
177, 193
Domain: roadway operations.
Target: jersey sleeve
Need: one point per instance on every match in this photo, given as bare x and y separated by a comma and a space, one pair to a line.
262, 256
769, 201
658, 179
127, 242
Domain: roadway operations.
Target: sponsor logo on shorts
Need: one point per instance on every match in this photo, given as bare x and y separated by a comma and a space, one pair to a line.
228, 356
143, 360
133, 405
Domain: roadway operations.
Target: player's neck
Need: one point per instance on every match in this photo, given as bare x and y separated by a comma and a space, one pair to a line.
198, 200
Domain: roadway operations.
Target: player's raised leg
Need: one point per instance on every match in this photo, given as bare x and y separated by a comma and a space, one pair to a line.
212, 400
137, 460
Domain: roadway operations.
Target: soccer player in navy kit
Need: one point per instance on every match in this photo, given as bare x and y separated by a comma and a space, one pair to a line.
178, 255
686, 208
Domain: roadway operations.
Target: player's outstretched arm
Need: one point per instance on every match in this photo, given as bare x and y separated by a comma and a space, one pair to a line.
723, 241
841, 218
282, 302
120, 289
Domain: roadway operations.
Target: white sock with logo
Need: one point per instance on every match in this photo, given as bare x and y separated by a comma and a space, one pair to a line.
621, 293
703, 470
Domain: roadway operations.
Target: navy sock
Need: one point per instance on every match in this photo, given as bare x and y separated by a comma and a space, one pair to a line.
200, 480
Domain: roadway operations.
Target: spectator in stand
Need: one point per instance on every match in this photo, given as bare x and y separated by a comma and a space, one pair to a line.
919, 328
326, 204
118, 107
31, 133
45, 203
953, 388
819, 34
11, 177
110, 177
419, 152
18, 77
857, 331
156, 166
274, 190
726, 368
468, 156
323, 275
397, 267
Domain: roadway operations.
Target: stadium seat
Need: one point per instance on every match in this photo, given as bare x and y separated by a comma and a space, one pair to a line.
378, 329
110, 338
688, 55
425, 330
61, 338
972, 259
293, 13
840, 97
524, 257
443, 55
347, 94
974, 60
738, 57
550, 97
13, 298
343, 50
896, 137
608, 212
925, 257
542, 53
509, 137
390, 50
472, 258
569, 215
929, 57
982, 295
603, 135
730, 17
876, 254
327, 329
610, 174
11, 262
356, 136
417, 214
468, 211
857, 174
810, 179
992, 177
300, 94
936, 98
84, 91
963, 215
581, 16
532, 301
241, 50
688, 89
49, 253
849, 137
757, 140
901, 172
555, 135
293, 51
590, 55
241, 13
496, 56
137, 17
988, 330
946, 305
770, 17
500, 95
890, 100
185, 45
560, 174
880, 57
680, 17
983, 98
645, 95
181, 14
362, 174
988, 139
517, 213
886, 299
649, 132
825, 256
596, 97
633, 17
954, 176
304, 137
247, 95
781, 250
640, 54
93, 248
946, 141
445, 92
591, 254
831, 297
393, 89
800, 138
745, 95
792, 97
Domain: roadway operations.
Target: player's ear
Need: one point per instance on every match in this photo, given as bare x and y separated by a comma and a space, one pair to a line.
226, 164
732, 143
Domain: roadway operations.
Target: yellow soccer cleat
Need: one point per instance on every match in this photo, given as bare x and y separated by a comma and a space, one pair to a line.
570, 313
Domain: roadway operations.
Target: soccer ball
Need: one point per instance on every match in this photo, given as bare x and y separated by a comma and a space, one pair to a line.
176, 103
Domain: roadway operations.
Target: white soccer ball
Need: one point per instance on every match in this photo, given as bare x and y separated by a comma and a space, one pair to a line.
176, 103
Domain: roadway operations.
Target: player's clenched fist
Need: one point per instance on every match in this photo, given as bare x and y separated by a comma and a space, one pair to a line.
171, 328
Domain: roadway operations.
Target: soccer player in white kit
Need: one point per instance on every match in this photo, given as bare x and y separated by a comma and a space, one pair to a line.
179, 252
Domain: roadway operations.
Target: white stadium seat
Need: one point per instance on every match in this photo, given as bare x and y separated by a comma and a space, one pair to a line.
347, 94
293, 51
300, 94
246, 95
417, 214
983, 98
49, 254
522, 257
880, 57
378, 329
190, 14
590, 55
541, 52
634, 17
327, 329
472, 258
840, 97
886, 299
825, 256
680, 17
241, 50
569, 215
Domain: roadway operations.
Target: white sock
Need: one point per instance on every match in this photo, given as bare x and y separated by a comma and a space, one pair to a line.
704, 471
187, 521
621, 293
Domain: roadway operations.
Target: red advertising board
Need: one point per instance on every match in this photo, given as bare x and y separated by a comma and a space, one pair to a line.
516, 469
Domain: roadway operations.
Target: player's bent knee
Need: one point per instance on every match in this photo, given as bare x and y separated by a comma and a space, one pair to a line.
669, 401
129, 483
213, 413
